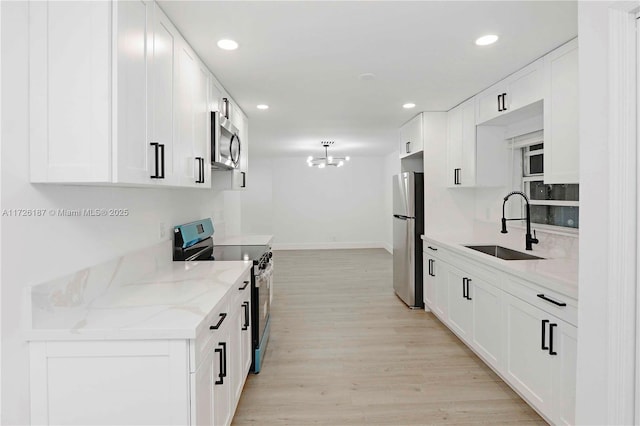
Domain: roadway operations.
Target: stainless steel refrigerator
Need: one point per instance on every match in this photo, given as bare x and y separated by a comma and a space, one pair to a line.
408, 226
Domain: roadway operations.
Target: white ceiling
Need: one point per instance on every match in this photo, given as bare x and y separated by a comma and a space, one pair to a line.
303, 59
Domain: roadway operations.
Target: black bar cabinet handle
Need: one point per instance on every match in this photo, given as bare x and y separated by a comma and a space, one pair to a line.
543, 297
432, 248
408, 144
499, 103
200, 170
464, 288
161, 146
244, 180
155, 148
246, 283
544, 346
224, 358
220, 376
245, 306
468, 293
551, 351
504, 106
217, 326
431, 262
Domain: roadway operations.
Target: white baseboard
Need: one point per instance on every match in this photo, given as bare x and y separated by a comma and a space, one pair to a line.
328, 246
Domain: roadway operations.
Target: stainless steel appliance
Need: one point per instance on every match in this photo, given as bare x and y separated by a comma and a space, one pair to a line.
192, 241
408, 226
225, 142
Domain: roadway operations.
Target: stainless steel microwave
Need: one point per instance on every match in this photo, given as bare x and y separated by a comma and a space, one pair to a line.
225, 143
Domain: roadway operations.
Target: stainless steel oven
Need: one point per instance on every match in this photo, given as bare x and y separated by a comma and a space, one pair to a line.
192, 241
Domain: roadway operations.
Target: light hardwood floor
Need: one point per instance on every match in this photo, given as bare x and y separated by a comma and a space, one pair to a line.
345, 350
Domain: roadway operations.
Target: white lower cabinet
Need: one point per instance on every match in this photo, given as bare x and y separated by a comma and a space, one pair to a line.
160, 382
524, 332
487, 321
460, 305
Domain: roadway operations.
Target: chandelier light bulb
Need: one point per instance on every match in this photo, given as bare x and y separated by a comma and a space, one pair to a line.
321, 166
310, 158
341, 163
330, 159
309, 163
348, 158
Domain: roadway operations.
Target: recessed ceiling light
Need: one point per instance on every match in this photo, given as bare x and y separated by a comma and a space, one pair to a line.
367, 76
262, 106
487, 40
227, 44
408, 105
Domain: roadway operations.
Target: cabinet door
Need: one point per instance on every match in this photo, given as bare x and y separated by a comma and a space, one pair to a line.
411, 140
429, 281
561, 145
202, 126
134, 155
467, 174
526, 86
528, 366
441, 305
70, 89
161, 92
454, 146
187, 83
460, 308
487, 321
203, 385
222, 400
236, 362
489, 102
565, 343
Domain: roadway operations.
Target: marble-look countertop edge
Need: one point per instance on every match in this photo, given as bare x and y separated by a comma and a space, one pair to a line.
565, 284
188, 329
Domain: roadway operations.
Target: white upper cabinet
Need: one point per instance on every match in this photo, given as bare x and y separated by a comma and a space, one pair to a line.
411, 137
561, 143
514, 92
70, 90
461, 145
117, 96
192, 119
476, 156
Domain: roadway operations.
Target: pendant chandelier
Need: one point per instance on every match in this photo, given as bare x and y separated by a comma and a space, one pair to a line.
327, 160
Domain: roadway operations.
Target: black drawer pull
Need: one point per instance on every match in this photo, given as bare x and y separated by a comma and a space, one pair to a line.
544, 346
464, 288
246, 283
551, 351
468, 293
220, 376
543, 297
217, 326
432, 248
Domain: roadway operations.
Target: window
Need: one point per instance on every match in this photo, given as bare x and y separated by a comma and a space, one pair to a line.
551, 204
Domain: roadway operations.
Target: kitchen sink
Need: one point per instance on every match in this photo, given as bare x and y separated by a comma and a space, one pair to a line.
503, 253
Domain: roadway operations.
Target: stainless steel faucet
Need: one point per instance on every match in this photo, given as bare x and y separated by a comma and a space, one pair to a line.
528, 239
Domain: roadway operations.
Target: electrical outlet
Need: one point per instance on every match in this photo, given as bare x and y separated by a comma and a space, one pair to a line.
163, 230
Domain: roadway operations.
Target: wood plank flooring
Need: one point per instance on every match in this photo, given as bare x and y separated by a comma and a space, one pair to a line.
344, 350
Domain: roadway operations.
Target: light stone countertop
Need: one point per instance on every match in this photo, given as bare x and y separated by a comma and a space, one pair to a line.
169, 303
244, 240
554, 272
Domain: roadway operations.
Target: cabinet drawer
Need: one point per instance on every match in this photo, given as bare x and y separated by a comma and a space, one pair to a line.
543, 299
431, 249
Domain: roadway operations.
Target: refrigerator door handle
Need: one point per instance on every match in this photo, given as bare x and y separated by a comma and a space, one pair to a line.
399, 216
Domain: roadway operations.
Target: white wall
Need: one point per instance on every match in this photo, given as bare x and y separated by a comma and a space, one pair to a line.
257, 199
317, 208
591, 397
391, 168
39, 249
